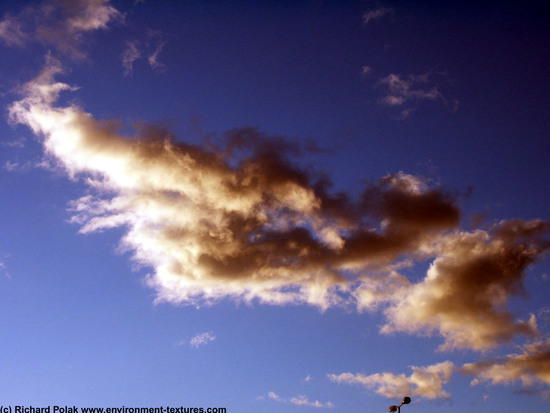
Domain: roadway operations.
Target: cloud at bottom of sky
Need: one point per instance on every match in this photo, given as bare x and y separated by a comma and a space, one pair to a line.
426, 381
301, 400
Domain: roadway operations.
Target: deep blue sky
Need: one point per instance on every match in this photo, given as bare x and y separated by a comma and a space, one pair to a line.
138, 270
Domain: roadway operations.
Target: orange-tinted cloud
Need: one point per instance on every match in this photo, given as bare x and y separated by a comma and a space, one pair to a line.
468, 285
238, 219
531, 367
426, 382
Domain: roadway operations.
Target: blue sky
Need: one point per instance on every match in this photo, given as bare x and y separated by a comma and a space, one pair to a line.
275, 206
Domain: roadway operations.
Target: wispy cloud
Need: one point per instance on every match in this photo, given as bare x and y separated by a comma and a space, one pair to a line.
11, 32
15, 143
376, 14
426, 382
405, 92
301, 400
153, 58
366, 70
202, 339
58, 23
10, 166
129, 56
3, 267
149, 49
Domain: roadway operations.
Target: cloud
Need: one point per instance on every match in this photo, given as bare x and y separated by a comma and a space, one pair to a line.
11, 166
3, 267
153, 58
424, 382
407, 92
366, 70
301, 400
237, 218
15, 143
376, 14
215, 224
468, 285
11, 31
151, 48
202, 339
129, 56
58, 23
304, 401
531, 367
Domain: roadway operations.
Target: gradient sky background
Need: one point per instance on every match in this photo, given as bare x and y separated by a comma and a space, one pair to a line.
278, 206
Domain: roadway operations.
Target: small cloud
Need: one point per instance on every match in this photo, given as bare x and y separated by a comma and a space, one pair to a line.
300, 400
16, 143
129, 56
366, 70
406, 92
273, 395
153, 58
202, 339
150, 49
376, 14
156, 44
3, 268
11, 166
303, 400
307, 379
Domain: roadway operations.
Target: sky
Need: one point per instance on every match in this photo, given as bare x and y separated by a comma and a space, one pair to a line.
275, 206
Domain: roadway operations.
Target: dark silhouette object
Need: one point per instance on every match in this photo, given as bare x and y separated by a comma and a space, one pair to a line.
406, 400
